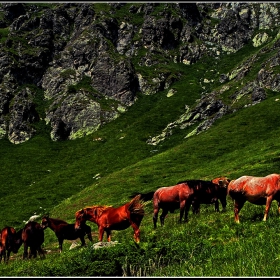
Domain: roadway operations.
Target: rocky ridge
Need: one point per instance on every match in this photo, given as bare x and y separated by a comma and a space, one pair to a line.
77, 66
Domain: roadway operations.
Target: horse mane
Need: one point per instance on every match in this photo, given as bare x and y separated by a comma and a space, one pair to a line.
136, 205
193, 183
99, 208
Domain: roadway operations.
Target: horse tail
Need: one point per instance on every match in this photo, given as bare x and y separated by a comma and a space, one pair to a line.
136, 206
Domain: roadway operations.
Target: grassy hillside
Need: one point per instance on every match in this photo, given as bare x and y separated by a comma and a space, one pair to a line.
108, 166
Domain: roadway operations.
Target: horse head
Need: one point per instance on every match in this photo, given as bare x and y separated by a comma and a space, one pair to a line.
221, 181
80, 216
45, 221
17, 241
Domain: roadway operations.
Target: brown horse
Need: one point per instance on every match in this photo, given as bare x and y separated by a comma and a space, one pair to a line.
33, 238
220, 195
182, 196
257, 190
10, 242
63, 230
109, 218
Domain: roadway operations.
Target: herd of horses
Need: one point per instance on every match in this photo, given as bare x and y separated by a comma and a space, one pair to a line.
183, 195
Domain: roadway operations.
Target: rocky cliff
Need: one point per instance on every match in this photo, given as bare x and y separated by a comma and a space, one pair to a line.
77, 66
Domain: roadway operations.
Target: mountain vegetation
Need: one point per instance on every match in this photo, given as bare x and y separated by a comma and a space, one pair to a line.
193, 95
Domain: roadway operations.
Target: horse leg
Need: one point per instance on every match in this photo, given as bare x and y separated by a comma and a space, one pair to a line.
108, 233
195, 207
89, 237
224, 203
82, 240
155, 216
4, 255
33, 252
25, 251
41, 252
182, 209
267, 207
60, 241
162, 216
187, 208
8, 256
238, 204
217, 205
136, 230
101, 233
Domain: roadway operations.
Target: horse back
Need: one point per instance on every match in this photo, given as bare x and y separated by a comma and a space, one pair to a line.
8, 237
255, 189
115, 218
33, 234
172, 194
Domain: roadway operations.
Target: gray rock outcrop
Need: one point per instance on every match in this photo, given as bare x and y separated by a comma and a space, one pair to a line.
77, 67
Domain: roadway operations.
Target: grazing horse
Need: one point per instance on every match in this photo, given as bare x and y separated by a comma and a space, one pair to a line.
109, 218
221, 194
63, 230
182, 195
10, 242
33, 237
257, 190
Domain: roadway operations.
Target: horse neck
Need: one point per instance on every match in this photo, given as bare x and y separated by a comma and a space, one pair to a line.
91, 212
53, 223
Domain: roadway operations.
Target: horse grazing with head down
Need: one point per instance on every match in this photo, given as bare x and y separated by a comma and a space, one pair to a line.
63, 230
219, 195
183, 195
10, 242
257, 190
109, 218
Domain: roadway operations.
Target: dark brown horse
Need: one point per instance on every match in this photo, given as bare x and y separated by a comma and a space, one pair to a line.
63, 230
33, 238
10, 242
219, 195
109, 218
182, 196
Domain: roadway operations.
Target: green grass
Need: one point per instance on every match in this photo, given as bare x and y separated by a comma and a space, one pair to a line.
210, 244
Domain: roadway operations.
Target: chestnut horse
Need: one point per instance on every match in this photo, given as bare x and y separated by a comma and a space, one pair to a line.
109, 218
10, 242
183, 195
63, 230
257, 190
